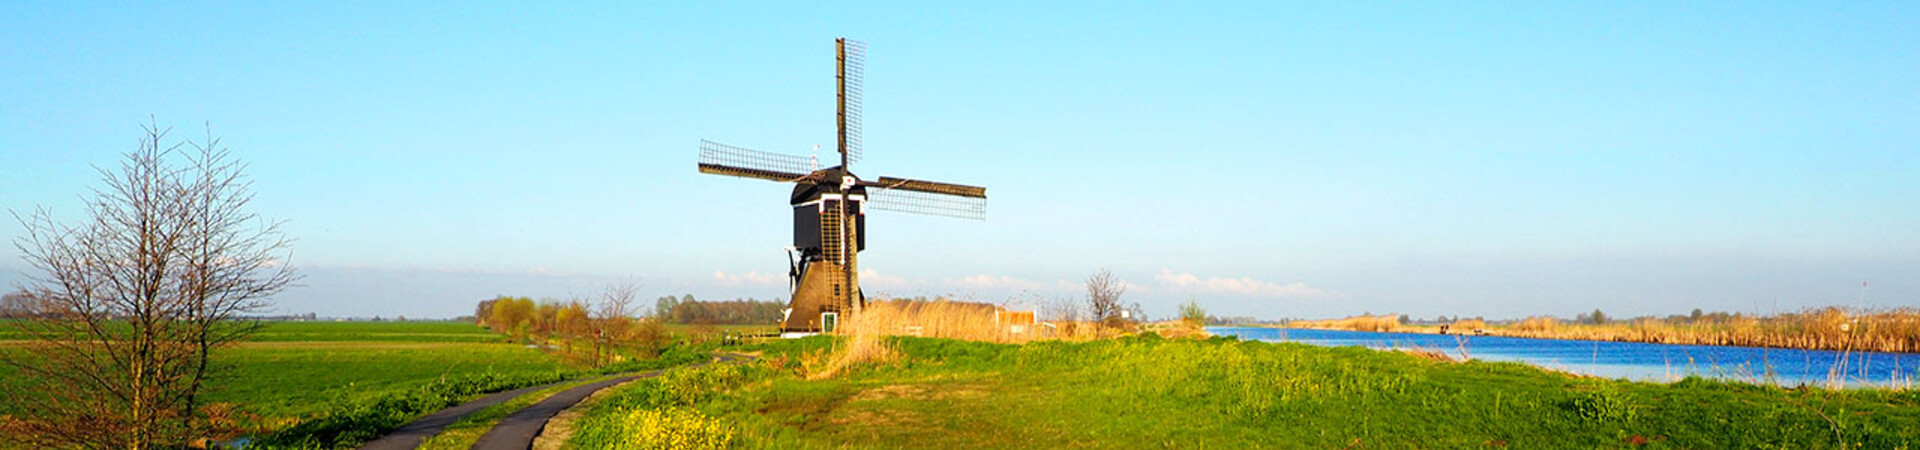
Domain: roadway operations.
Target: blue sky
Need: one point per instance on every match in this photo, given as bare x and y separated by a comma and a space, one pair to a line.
1268, 159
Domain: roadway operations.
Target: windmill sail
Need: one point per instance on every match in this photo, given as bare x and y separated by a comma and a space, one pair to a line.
853, 69
929, 203
931, 187
722, 159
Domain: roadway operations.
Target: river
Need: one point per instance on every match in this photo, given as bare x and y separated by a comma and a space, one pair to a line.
1632, 360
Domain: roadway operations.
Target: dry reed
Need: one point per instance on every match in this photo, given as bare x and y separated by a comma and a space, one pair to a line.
936, 319
1356, 323
867, 332
1463, 326
857, 350
1830, 328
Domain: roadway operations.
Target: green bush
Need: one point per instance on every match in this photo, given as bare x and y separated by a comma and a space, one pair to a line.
1604, 406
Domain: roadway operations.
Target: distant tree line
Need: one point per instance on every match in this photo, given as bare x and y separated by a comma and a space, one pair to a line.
1233, 320
14, 305
687, 310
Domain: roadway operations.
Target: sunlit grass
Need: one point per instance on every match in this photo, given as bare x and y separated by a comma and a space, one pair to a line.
1223, 393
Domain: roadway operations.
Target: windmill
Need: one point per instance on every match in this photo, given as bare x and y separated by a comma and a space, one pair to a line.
829, 205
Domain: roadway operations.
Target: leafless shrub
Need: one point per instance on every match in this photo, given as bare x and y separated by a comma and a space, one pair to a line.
612, 324
1103, 298
127, 308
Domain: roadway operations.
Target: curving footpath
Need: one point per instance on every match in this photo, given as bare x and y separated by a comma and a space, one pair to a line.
411, 435
516, 432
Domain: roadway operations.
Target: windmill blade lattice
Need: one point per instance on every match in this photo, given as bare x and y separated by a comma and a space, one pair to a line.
933, 204
931, 186
855, 70
723, 159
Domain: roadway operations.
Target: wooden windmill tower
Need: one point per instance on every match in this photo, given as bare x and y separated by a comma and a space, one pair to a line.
829, 205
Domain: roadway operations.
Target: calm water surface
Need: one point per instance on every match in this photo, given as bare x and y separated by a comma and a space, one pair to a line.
1639, 361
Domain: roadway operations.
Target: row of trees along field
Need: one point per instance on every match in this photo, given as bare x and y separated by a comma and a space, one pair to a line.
590, 331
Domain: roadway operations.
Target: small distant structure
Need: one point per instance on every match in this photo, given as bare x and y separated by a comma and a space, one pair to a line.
1015, 322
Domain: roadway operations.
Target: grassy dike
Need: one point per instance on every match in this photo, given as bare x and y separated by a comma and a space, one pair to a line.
1220, 393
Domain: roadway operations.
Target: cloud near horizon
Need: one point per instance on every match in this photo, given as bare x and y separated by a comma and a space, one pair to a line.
749, 279
1246, 286
870, 277
1000, 282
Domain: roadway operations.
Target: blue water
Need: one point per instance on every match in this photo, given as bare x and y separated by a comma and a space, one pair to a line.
1633, 360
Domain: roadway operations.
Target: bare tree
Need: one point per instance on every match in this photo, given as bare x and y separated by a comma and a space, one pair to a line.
484, 311
128, 308
234, 259
1064, 309
1103, 297
612, 320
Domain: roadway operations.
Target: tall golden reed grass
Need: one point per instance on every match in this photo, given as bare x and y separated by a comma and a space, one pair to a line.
855, 351
1356, 323
1829, 328
970, 321
932, 318
866, 333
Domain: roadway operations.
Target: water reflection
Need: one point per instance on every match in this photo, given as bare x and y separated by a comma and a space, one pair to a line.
1633, 360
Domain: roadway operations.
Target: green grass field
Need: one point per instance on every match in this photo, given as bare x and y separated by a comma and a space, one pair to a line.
1221, 393
375, 331
334, 384
292, 379
338, 384
294, 369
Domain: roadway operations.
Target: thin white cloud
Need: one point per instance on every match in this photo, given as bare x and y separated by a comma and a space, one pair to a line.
1234, 286
749, 279
1000, 282
870, 277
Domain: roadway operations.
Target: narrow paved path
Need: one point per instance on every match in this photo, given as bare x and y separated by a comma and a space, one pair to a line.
516, 432
409, 436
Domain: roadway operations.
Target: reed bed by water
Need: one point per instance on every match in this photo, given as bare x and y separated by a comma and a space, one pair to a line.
1830, 328
1356, 323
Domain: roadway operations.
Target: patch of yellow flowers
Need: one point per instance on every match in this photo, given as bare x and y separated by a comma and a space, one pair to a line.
674, 428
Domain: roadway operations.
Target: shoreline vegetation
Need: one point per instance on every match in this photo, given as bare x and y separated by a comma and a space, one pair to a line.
1829, 328
1120, 392
909, 374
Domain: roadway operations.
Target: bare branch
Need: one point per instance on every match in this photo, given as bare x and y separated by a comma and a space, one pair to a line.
127, 308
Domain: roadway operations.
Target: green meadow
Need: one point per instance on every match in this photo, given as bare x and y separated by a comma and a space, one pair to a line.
337, 384
294, 369
1148, 392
